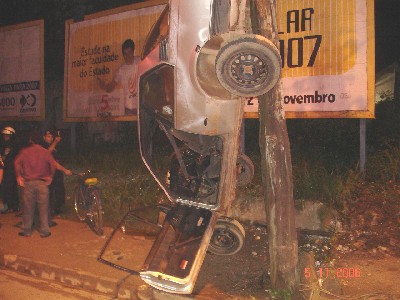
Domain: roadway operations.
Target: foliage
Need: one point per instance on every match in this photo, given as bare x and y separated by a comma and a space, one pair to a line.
313, 181
280, 294
384, 142
384, 165
324, 159
325, 154
333, 143
384, 130
124, 180
332, 188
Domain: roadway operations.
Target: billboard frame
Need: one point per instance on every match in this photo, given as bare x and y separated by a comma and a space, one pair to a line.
42, 99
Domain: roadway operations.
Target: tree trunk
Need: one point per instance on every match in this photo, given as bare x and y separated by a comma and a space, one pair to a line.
276, 166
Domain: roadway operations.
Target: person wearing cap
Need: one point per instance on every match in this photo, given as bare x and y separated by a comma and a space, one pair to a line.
8, 152
50, 141
34, 169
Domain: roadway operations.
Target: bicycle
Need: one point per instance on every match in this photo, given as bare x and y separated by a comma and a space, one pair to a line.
87, 201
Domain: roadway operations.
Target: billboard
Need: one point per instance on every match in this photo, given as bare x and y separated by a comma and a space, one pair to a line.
22, 72
328, 57
100, 84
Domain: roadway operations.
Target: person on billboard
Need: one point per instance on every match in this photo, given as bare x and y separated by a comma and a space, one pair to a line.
126, 77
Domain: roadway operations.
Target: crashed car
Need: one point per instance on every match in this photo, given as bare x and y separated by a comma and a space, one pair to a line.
196, 67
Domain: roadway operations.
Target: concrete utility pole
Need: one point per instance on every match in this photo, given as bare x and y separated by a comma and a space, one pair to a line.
276, 165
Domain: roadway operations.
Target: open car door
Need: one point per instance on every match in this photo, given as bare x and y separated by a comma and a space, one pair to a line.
187, 167
178, 252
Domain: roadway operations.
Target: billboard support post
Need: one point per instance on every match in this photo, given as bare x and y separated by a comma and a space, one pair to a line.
363, 139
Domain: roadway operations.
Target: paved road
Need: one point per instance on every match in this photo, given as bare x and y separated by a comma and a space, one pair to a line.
69, 256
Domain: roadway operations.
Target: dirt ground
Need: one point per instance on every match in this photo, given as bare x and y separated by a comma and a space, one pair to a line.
370, 242
361, 262
239, 276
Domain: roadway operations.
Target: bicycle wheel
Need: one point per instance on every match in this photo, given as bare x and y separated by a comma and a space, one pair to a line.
96, 213
79, 203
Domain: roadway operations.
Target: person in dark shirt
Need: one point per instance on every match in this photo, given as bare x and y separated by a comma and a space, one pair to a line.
50, 141
8, 151
34, 169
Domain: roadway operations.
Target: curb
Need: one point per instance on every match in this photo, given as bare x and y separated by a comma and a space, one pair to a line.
116, 289
71, 277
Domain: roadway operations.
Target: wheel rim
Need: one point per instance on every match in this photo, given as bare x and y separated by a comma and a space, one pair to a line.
79, 204
224, 239
228, 237
248, 65
247, 70
96, 215
245, 170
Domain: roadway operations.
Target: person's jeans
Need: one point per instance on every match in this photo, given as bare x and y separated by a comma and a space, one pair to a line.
36, 193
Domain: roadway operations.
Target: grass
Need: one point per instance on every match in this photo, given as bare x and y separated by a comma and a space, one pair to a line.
324, 160
127, 184
385, 165
124, 180
331, 187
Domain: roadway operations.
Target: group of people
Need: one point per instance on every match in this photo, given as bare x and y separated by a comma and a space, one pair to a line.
36, 169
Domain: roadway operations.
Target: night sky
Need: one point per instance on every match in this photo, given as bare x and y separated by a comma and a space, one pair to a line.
387, 32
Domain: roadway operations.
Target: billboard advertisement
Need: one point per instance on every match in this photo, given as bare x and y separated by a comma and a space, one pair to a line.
22, 72
102, 52
327, 51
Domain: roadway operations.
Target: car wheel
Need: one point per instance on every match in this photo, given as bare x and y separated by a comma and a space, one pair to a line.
228, 237
248, 65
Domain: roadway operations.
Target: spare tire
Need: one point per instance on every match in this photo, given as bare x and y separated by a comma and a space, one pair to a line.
228, 237
248, 65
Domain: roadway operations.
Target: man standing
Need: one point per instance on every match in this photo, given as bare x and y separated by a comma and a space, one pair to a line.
34, 169
56, 188
126, 76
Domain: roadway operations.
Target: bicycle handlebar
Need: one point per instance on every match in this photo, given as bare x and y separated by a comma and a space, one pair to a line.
83, 174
